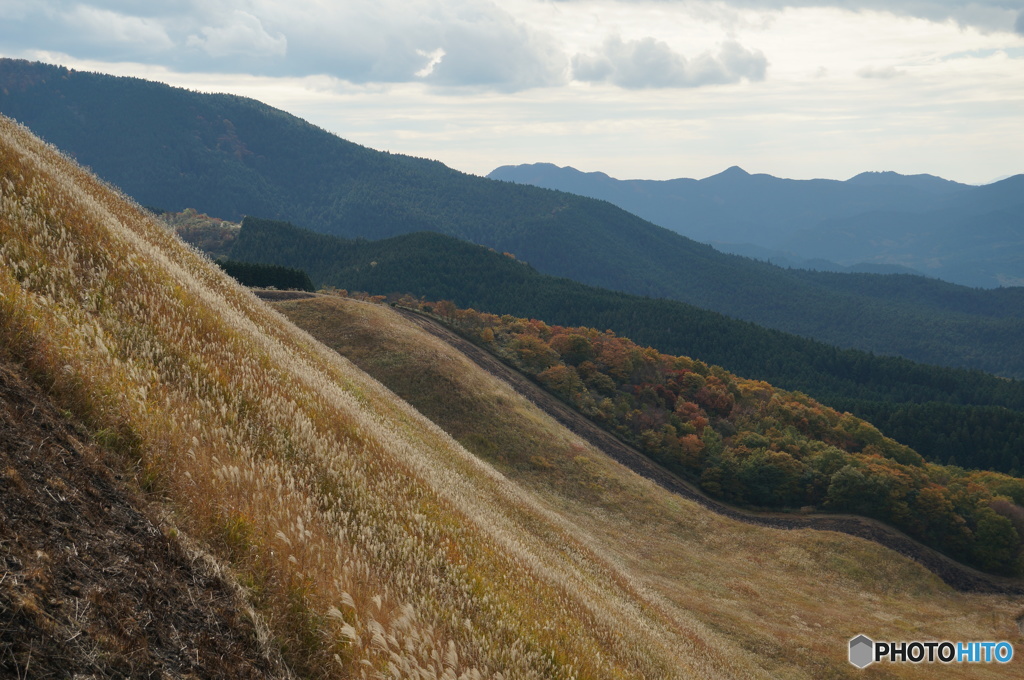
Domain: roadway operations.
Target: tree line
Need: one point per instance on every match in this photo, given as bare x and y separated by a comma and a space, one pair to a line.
970, 417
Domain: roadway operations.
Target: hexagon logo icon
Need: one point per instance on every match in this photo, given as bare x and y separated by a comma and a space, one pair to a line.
862, 651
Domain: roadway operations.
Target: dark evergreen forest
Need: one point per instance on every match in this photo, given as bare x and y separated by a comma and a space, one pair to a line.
967, 417
267, 275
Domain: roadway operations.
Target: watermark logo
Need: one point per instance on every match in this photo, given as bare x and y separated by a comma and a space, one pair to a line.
864, 651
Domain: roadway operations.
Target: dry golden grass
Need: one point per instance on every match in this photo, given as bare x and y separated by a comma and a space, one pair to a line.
373, 543
781, 603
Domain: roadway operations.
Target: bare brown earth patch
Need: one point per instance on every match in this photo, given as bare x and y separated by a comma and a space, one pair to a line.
90, 586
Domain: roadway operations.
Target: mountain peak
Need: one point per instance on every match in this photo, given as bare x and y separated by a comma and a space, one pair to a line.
543, 174
925, 182
876, 177
734, 172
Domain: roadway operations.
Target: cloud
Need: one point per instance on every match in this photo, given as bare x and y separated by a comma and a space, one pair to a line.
242, 34
447, 44
489, 48
650, 63
361, 41
987, 15
105, 26
433, 59
88, 30
880, 73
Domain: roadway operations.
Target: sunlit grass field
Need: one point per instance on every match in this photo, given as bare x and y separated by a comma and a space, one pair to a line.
372, 542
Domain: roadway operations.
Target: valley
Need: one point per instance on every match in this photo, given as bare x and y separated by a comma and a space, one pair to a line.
950, 416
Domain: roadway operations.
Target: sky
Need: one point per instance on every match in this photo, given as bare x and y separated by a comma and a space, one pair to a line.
651, 89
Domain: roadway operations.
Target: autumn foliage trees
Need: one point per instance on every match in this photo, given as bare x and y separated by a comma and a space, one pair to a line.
749, 443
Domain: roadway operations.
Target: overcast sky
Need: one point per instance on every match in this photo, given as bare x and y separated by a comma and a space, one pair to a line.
635, 88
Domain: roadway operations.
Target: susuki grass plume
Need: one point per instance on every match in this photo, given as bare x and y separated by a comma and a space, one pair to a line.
373, 543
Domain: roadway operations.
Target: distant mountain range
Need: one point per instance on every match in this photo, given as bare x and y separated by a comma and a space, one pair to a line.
230, 156
879, 222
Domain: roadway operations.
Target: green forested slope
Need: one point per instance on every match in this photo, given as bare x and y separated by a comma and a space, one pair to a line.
229, 156
975, 418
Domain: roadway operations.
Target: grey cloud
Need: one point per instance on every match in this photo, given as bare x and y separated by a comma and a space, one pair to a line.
468, 44
361, 41
508, 57
988, 15
85, 30
650, 63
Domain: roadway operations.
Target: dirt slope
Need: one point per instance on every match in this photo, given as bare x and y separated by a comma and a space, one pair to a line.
89, 584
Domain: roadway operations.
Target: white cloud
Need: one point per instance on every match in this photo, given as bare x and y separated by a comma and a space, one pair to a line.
82, 28
433, 59
386, 41
362, 41
486, 47
880, 72
650, 63
102, 25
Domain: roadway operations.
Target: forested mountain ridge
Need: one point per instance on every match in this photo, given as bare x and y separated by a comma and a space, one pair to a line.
230, 156
961, 233
949, 415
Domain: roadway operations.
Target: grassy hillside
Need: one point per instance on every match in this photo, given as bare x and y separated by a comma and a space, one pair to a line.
378, 546
230, 156
373, 539
948, 415
749, 443
784, 593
